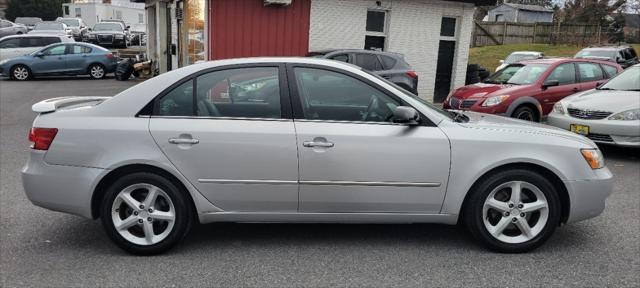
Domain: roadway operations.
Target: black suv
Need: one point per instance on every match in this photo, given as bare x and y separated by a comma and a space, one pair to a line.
390, 66
625, 56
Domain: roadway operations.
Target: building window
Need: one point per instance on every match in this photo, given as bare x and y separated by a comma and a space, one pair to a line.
66, 10
499, 18
448, 27
193, 38
376, 30
78, 12
141, 18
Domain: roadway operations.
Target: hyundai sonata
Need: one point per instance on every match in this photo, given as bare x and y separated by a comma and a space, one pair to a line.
302, 140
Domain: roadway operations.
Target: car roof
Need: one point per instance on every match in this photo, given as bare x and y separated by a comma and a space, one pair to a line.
563, 60
613, 48
33, 35
327, 51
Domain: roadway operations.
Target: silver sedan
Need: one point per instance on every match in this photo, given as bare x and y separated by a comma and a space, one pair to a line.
302, 140
609, 114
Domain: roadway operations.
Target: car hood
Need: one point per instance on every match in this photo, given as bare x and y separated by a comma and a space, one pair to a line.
506, 124
480, 90
604, 100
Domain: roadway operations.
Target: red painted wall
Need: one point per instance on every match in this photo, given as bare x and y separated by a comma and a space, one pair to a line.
247, 28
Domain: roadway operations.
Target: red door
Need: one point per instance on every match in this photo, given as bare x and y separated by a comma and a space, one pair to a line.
247, 28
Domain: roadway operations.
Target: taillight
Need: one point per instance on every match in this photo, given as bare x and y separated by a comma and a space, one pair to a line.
412, 74
42, 137
110, 56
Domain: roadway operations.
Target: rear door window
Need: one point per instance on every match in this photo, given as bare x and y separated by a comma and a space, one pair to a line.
340, 57
387, 62
50, 40
590, 72
31, 42
368, 61
79, 49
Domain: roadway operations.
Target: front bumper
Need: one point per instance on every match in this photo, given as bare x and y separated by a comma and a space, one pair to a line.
587, 197
622, 133
59, 188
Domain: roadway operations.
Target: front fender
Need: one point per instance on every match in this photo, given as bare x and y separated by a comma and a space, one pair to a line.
524, 100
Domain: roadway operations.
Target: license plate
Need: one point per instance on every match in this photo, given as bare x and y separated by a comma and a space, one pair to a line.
580, 129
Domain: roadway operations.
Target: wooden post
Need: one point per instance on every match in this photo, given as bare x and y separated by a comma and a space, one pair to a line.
504, 33
598, 33
535, 31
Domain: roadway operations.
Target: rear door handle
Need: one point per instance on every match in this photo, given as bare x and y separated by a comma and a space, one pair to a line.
183, 141
317, 144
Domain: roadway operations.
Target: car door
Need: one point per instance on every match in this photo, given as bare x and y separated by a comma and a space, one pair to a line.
52, 60
590, 75
77, 59
565, 74
352, 158
241, 155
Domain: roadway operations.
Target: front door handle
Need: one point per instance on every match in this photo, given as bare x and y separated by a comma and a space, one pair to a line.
183, 141
317, 144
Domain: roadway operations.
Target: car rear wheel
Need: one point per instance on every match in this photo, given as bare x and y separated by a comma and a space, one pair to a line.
513, 211
525, 113
145, 214
20, 73
96, 71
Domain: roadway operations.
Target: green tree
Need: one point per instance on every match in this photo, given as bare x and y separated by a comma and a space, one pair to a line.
45, 9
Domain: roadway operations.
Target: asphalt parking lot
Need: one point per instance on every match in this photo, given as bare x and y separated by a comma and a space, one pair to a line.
44, 248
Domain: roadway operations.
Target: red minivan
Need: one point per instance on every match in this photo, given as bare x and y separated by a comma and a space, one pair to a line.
528, 90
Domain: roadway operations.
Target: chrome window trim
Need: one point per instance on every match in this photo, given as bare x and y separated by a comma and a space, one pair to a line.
219, 118
349, 122
323, 183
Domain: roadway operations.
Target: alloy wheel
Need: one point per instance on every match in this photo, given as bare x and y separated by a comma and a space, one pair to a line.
143, 214
21, 73
97, 71
515, 212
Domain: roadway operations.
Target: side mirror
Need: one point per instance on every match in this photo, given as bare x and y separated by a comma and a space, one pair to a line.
501, 61
89, 29
406, 115
128, 27
550, 83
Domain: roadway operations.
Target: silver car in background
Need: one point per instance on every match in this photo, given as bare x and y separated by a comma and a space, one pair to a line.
609, 114
8, 28
302, 140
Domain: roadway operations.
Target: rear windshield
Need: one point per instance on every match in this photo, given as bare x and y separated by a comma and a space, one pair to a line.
71, 22
107, 27
28, 20
611, 54
49, 26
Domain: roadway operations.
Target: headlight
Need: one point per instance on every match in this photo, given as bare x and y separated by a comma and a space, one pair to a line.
594, 157
558, 108
118, 36
495, 100
633, 114
92, 36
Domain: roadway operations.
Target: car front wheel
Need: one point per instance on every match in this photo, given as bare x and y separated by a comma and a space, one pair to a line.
20, 73
513, 211
146, 214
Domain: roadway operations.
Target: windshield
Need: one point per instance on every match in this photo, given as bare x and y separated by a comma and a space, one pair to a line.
596, 53
28, 21
49, 26
515, 57
518, 74
107, 27
625, 81
71, 22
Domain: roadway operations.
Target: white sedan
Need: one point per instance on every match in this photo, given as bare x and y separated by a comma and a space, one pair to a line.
302, 140
609, 114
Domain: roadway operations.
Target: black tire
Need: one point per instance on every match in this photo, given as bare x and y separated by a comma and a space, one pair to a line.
184, 213
525, 113
12, 73
473, 210
124, 70
97, 75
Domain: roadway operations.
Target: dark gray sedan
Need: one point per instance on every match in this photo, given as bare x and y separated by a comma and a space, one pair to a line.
390, 66
61, 59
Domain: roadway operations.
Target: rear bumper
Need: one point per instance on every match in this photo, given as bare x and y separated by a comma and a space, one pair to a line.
622, 133
59, 188
587, 197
